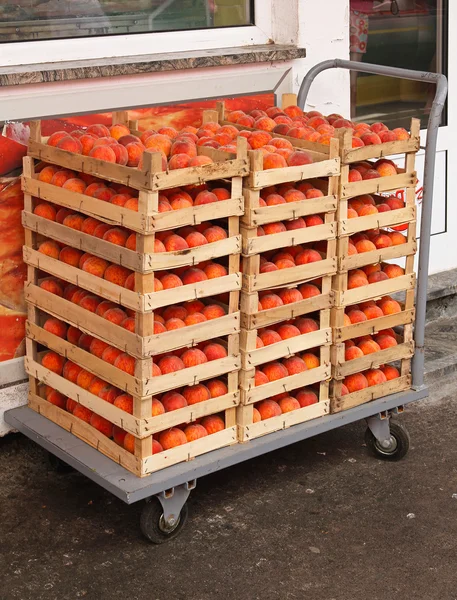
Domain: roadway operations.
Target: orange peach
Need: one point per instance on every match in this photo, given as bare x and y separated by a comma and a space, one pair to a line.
115, 315
71, 405
270, 301
396, 238
311, 360
70, 256
356, 280
117, 236
352, 353
89, 225
95, 266
216, 388
173, 401
53, 361
170, 364
73, 335
71, 371
288, 404
393, 271
269, 336
295, 365
308, 290
110, 354
69, 144
370, 139
275, 371
268, 409
89, 302
386, 170
375, 377
124, 402
373, 312
104, 306
50, 284
46, 211
289, 296
385, 341
116, 274
287, 331
313, 220
306, 397
213, 311
305, 325
84, 379
104, 153
214, 351
83, 413
74, 221
96, 386
377, 276
50, 248
214, 270
369, 346
97, 347
390, 372
171, 438
390, 307
56, 327
260, 378
401, 133
169, 281
356, 316
195, 431
365, 246
355, 382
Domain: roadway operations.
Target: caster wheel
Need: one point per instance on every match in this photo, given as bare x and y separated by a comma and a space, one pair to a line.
154, 527
393, 449
57, 465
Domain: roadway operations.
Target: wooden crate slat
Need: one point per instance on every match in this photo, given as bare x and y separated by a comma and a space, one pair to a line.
375, 290
377, 221
324, 168
372, 393
301, 415
284, 239
370, 258
285, 348
286, 212
283, 277
376, 186
380, 150
374, 360
232, 207
293, 382
372, 326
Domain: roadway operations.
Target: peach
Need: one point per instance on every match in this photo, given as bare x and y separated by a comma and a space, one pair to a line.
390, 307
375, 377
275, 199
265, 123
354, 176
74, 221
56, 137
46, 211
295, 224
214, 351
386, 170
307, 256
371, 174
401, 133
174, 312
96, 386
295, 365
115, 315
173, 323
195, 431
213, 311
274, 161
385, 341
70, 145
311, 360
357, 316
116, 274
377, 276
157, 408
365, 246
53, 361
89, 225
75, 185
51, 285
104, 153
367, 209
370, 139
95, 266
50, 248
196, 393
275, 371
85, 340
269, 336
260, 378
103, 193
356, 280
305, 325
289, 296
124, 402
213, 424
396, 238
119, 435
169, 281
352, 353
97, 347
369, 346
268, 409
71, 371
60, 177
390, 372
116, 235
355, 382
298, 158
213, 271
393, 271
395, 203
205, 197
56, 327
270, 301
308, 290
71, 405
83, 413
288, 404
306, 397
271, 228
217, 388
98, 130
284, 263
102, 425
174, 243
110, 354
313, 220
70, 256
89, 302
170, 364
104, 306
84, 379
373, 312
173, 401
287, 331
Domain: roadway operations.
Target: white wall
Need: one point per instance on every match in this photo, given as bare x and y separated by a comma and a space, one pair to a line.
324, 32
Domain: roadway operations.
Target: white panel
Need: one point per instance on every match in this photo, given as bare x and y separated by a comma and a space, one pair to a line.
11, 397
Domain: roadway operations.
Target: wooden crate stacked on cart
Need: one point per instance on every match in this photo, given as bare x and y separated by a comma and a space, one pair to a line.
258, 282
139, 344
352, 295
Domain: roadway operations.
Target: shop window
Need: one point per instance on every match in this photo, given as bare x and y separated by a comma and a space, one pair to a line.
31, 20
400, 33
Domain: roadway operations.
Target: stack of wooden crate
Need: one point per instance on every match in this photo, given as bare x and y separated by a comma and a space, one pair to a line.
68, 329
285, 307
365, 314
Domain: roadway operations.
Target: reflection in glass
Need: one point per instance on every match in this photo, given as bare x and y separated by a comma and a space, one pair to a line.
398, 33
28, 20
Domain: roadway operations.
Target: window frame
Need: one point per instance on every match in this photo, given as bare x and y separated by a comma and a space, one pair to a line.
138, 44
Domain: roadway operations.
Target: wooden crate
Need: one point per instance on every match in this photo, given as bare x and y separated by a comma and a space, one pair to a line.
148, 182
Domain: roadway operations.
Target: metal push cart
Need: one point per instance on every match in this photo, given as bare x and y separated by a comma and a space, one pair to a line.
165, 511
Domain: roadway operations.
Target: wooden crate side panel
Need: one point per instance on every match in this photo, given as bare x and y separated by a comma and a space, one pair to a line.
85, 320
278, 279
85, 432
253, 394
271, 316
346, 263
372, 393
255, 216
301, 415
374, 360
372, 326
380, 150
233, 207
376, 186
188, 451
257, 245
253, 358
323, 168
377, 221
375, 290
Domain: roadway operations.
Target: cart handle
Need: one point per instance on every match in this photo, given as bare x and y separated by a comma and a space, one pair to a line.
429, 173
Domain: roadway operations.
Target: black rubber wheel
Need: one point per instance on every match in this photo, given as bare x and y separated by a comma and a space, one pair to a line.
154, 527
397, 447
58, 465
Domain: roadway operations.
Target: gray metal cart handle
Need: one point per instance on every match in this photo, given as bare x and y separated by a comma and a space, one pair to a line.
429, 173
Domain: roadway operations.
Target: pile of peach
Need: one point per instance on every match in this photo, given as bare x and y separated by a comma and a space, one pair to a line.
365, 170
170, 401
269, 299
286, 367
294, 256
362, 206
314, 127
122, 195
374, 239
172, 317
123, 277
286, 330
117, 145
369, 344
365, 311
373, 274
283, 403
360, 381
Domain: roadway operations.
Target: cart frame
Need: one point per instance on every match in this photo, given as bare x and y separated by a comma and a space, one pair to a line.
172, 485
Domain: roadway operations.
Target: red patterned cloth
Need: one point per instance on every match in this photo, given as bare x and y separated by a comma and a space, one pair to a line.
358, 32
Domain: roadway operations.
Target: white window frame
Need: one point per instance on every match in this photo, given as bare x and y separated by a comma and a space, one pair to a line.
102, 47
